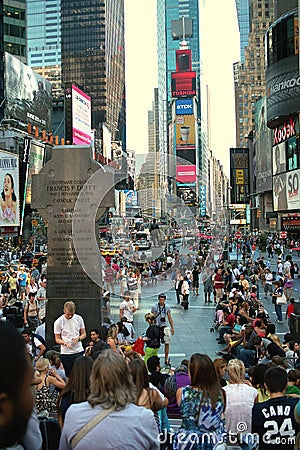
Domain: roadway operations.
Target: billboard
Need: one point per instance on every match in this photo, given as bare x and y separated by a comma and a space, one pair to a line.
78, 116
202, 200
186, 154
28, 95
185, 132
184, 106
279, 161
187, 194
81, 117
286, 196
36, 159
183, 84
131, 198
9, 197
283, 89
186, 174
263, 148
239, 175
292, 153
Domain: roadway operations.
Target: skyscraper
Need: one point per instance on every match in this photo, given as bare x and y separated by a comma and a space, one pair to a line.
14, 28
188, 12
44, 41
93, 56
250, 84
243, 15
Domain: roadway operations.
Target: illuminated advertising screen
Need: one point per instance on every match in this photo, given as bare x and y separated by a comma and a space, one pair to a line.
183, 84
263, 148
184, 106
131, 198
202, 200
187, 194
292, 153
28, 95
239, 175
185, 132
186, 154
81, 117
36, 159
186, 174
9, 197
279, 162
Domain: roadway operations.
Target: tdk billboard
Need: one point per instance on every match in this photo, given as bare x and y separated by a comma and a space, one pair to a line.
184, 106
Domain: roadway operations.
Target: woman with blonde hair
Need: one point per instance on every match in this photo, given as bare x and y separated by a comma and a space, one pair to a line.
113, 418
44, 402
152, 337
240, 398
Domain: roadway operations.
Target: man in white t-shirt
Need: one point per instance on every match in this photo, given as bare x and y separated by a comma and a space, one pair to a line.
268, 282
127, 307
69, 332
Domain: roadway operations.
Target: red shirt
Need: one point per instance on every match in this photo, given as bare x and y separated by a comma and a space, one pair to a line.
230, 319
290, 309
218, 281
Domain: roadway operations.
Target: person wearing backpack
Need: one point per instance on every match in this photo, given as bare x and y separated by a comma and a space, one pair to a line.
31, 312
35, 347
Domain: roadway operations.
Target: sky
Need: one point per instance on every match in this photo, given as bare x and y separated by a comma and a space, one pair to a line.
220, 51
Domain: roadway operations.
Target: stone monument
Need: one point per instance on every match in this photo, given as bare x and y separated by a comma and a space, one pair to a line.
71, 193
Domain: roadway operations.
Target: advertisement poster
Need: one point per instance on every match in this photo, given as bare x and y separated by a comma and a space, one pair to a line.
293, 197
279, 161
187, 194
81, 117
292, 154
131, 198
185, 131
186, 174
280, 192
9, 188
36, 159
263, 148
28, 95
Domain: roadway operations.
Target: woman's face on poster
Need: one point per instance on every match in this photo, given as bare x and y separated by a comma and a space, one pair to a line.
7, 186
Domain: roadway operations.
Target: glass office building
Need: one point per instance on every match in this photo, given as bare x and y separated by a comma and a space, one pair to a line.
14, 28
93, 56
243, 15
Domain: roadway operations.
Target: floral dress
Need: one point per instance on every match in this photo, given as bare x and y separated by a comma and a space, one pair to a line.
202, 427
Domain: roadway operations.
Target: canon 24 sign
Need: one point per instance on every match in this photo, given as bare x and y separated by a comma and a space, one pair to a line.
184, 106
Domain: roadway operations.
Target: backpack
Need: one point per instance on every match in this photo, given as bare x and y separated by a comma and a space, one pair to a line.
42, 341
50, 431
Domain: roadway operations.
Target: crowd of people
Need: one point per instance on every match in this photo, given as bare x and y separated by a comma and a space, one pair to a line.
95, 381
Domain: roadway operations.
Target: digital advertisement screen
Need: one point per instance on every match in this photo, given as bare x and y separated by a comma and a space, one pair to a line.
279, 162
186, 174
185, 132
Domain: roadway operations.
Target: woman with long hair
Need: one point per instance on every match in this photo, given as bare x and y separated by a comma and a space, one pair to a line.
202, 405
146, 394
240, 398
77, 387
221, 367
112, 398
8, 200
45, 403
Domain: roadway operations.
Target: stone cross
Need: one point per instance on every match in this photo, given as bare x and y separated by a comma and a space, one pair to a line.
71, 193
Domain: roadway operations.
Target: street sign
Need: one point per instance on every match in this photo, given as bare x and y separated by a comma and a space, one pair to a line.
238, 235
283, 234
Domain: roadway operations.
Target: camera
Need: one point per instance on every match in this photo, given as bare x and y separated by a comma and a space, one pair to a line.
163, 319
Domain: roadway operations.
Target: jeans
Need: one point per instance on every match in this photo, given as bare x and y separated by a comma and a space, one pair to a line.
278, 310
222, 330
246, 355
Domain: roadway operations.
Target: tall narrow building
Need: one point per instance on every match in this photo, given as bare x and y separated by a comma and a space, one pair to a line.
14, 28
249, 75
178, 22
93, 56
44, 41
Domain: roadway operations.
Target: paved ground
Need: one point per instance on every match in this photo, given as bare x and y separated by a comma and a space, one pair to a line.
192, 327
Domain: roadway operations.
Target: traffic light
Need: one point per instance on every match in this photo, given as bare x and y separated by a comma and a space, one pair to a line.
258, 213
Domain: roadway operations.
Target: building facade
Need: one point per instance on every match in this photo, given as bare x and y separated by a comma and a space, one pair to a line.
93, 57
14, 28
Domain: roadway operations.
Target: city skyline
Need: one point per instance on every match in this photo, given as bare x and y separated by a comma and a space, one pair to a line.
219, 54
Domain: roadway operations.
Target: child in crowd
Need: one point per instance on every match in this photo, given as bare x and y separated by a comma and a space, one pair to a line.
293, 389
